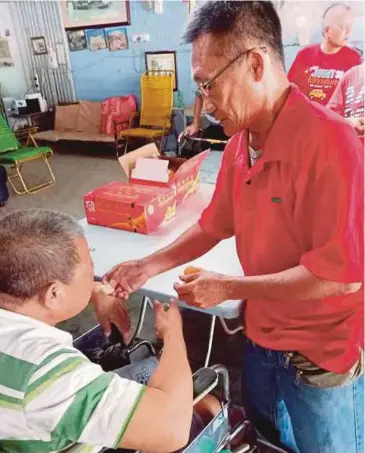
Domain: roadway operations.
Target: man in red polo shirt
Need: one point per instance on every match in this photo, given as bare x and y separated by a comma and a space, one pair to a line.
348, 99
290, 189
318, 68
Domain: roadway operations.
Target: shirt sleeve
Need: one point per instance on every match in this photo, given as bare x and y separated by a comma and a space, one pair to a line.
295, 71
358, 59
337, 101
71, 400
217, 219
336, 216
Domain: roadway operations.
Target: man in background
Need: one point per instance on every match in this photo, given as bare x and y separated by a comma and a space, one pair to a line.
318, 68
348, 99
193, 128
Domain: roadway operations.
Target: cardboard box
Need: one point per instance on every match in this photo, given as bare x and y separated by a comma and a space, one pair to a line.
131, 207
146, 166
156, 186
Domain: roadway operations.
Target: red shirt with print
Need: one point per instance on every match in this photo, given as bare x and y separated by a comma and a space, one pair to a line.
348, 98
300, 203
317, 74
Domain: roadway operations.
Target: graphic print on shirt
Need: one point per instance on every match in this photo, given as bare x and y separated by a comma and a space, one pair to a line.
320, 80
354, 104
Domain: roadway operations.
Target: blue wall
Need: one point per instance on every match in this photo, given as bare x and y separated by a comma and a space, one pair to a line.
100, 74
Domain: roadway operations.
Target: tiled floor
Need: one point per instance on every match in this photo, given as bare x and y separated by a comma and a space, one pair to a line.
210, 167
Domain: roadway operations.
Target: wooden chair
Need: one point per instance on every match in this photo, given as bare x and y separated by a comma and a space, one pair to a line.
16, 156
155, 121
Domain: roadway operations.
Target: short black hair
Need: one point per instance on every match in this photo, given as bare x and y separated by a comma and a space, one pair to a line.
238, 22
335, 5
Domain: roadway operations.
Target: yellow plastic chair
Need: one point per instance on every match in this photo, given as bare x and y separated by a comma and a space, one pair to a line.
157, 88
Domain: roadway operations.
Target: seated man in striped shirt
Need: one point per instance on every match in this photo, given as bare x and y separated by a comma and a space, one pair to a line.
52, 398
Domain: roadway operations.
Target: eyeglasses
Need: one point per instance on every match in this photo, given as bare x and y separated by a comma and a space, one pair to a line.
204, 88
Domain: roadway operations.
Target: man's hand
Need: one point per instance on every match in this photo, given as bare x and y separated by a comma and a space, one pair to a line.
168, 322
126, 278
191, 130
357, 124
203, 289
111, 310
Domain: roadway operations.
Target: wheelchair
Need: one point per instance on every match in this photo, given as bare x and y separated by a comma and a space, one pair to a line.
218, 435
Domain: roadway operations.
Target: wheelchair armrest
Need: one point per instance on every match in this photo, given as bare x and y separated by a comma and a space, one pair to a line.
204, 381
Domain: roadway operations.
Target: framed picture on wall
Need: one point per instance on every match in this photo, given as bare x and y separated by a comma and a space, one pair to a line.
96, 38
39, 45
79, 14
163, 60
117, 38
76, 40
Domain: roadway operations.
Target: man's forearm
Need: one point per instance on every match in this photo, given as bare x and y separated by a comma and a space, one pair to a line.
162, 420
198, 105
190, 245
173, 375
297, 283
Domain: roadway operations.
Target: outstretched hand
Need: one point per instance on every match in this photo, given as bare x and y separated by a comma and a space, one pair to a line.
203, 289
126, 278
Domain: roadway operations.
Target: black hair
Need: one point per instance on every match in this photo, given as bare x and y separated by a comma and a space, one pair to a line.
237, 22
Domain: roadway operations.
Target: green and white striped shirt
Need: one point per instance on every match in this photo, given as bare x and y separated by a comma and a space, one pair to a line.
52, 398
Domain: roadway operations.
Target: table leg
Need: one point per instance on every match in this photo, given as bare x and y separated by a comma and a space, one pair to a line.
142, 314
210, 341
227, 329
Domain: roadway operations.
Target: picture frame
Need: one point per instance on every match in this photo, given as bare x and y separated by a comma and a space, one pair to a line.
81, 14
163, 60
76, 40
96, 39
39, 45
117, 38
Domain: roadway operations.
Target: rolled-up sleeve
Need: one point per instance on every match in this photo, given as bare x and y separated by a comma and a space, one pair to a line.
217, 219
336, 223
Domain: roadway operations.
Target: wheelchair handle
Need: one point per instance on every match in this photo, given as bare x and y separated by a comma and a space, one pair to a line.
224, 375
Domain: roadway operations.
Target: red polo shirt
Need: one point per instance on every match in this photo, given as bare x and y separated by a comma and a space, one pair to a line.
301, 203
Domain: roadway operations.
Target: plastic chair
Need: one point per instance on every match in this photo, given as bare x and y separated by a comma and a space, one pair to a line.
156, 109
13, 154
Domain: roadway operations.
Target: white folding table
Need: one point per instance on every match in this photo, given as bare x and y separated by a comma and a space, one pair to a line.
110, 246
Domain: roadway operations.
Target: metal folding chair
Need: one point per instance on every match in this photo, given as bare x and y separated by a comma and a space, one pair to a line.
16, 156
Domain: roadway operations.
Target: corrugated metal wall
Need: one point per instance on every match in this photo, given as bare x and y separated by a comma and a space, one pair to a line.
43, 18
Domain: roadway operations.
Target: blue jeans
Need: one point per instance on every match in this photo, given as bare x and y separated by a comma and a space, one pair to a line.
299, 417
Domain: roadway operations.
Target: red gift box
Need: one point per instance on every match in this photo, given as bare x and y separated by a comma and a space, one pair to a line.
156, 186
138, 208
179, 174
